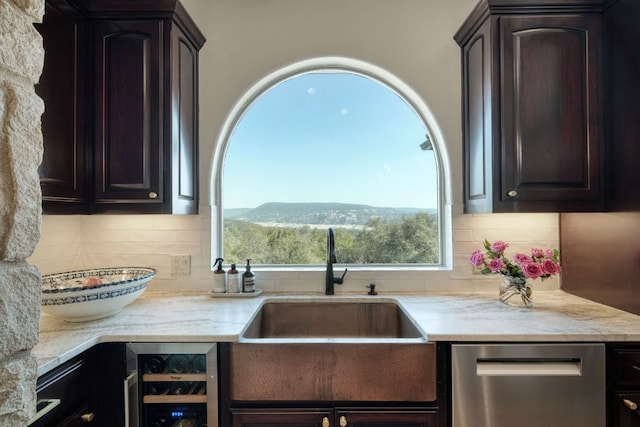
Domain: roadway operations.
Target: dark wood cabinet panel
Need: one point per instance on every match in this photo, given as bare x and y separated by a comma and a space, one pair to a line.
283, 417
626, 409
86, 390
622, 88
387, 418
62, 87
69, 387
551, 109
623, 384
626, 367
532, 101
109, 375
184, 130
122, 137
334, 417
128, 117
477, 119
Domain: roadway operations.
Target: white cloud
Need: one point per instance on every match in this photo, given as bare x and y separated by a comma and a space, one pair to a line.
311, 91
344, 111
387, 168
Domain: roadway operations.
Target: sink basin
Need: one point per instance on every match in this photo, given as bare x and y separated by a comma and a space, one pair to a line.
332, 320
332, 350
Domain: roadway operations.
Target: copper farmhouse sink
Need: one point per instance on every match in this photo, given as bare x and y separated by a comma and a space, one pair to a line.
329, 319
332, 351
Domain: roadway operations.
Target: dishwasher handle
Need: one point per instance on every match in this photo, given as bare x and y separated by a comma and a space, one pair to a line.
529, 367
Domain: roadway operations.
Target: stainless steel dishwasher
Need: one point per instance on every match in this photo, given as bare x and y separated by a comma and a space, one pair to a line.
527, 385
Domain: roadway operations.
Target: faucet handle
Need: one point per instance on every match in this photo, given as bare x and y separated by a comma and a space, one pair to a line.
341, 279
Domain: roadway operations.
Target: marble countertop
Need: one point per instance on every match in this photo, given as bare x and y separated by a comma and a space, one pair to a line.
197, 317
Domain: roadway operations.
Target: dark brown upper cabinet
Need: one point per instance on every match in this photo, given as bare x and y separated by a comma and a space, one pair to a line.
622, 109
63, 87
532, 106
139, 108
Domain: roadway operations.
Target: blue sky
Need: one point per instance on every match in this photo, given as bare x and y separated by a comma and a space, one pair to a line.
329, 137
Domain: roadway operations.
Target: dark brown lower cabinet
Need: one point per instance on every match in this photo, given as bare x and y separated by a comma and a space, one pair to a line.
86, 390
627, 409
390, 417
64, 394
623, 384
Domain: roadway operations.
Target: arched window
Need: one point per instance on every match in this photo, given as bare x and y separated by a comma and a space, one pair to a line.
330, 146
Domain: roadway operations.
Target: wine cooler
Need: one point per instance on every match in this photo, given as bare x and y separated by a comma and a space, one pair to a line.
171, 385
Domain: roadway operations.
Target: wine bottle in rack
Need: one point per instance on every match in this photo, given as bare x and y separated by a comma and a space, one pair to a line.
178, 363
198, 364
153, 364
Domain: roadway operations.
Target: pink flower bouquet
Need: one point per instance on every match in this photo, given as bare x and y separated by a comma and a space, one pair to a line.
539, 264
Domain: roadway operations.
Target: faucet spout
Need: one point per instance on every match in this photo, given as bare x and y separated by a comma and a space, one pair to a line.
331, 247
330, 280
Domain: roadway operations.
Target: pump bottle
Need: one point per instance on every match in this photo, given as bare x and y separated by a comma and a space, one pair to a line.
219, 277
248, 279
234, 280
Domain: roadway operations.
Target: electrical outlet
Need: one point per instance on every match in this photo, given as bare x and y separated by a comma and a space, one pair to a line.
180, 265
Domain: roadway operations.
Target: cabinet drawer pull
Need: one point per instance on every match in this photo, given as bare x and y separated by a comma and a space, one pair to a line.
153, 195
87, 418
325, 422
630, 404
343, 421
50, 404
512, 193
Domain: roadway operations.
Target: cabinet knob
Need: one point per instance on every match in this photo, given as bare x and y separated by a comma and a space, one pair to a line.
153, 195
343, 421
325, 422
512, 193
87, 418
630, 404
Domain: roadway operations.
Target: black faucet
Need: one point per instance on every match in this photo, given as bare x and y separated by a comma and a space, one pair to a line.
331, 259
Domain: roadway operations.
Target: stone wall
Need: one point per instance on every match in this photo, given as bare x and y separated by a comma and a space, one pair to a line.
21, 60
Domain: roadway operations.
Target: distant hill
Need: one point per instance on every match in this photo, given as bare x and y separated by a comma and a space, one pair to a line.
320, 213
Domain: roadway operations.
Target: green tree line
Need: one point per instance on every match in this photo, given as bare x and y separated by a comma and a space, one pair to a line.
414, 239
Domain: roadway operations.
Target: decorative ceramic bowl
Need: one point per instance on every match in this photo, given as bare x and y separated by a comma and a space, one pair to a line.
82, 295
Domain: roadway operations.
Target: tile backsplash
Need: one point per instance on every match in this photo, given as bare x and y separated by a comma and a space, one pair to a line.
89, 241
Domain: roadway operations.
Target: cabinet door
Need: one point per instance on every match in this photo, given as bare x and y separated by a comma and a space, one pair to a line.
182, 115
622, 91
551, 113
86, 390
627, 410
62, 88
284, 417
386, 418
477, 121
129, 139
68, 387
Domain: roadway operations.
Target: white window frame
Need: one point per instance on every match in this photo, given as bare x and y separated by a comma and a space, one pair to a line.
380, 75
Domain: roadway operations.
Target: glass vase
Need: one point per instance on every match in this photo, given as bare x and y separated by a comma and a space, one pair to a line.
515, 287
